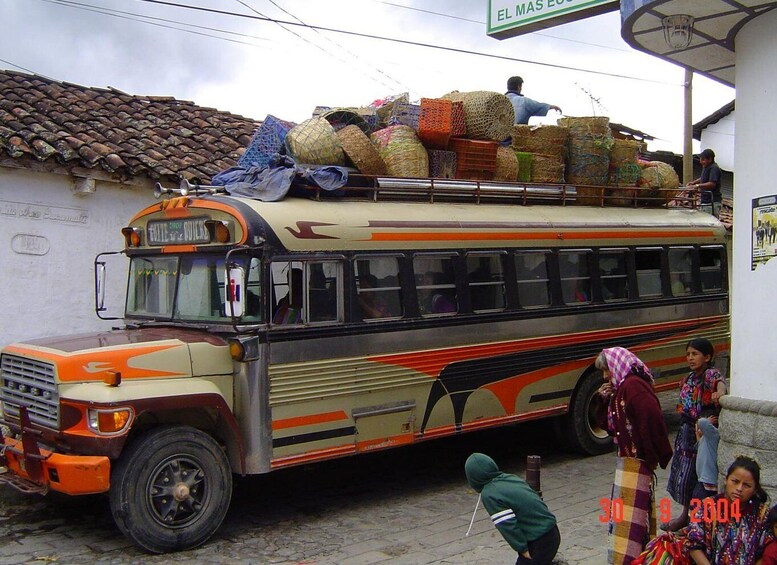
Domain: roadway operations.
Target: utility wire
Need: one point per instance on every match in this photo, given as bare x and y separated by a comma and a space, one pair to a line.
26, 69
352, 54
451, 16
142, 18
298, 36
406, 42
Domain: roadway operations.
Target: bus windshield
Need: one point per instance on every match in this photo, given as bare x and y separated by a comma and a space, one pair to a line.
187, 288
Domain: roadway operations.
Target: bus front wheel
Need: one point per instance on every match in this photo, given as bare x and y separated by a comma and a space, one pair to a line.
171, 489
582, 432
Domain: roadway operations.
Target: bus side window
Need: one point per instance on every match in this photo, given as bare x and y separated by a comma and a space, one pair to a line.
575, 278
711, 262
435, 284
486, 281
612, 273
324, 291
377, 286
254, 291
648, 265
681, 270
287, 281
532, 276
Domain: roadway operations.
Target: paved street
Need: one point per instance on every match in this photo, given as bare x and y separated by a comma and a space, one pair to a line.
409, 506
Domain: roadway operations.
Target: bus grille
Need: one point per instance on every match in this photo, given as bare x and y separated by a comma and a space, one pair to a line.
29, 383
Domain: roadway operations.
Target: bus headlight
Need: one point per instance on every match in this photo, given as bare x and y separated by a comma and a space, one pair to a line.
111, 421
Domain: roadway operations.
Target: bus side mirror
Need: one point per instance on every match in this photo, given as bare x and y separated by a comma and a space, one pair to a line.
99, 286
235, 292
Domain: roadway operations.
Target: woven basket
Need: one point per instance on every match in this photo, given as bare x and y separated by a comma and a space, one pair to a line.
403, 153
442, 164
384, 136
506, 165
620, 196
314, 142
624, 170
588, 160
658, 183
586, 126
591, 195
488, 115
361, 151
547, 168
342, 117
543, 140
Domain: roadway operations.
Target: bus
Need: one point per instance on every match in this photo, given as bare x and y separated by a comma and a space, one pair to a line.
263, 335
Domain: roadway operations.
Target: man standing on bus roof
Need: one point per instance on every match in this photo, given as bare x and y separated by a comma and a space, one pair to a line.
516, 510
524, 107
710, 179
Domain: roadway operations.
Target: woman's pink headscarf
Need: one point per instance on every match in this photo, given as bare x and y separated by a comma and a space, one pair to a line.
623, 363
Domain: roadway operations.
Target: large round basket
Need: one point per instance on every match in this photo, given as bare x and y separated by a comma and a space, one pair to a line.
588, 161
506, 164
547, 168
658, 183
361, 151
543, 140
586, 126
342, 117
488, 115
624, 170
314, 142
402, 151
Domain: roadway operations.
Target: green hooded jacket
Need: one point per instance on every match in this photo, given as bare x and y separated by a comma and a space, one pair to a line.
516, 510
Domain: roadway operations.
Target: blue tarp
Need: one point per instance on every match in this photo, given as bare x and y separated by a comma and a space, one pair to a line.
273, 182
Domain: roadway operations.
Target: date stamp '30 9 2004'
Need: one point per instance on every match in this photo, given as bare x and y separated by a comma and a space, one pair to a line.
706, 510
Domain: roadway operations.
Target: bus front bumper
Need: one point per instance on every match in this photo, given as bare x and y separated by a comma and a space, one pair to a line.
38, 470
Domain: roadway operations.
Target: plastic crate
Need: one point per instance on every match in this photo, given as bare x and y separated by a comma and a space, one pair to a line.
440, 120
406, 115
265, 143
442, 164
524, 166
474, 155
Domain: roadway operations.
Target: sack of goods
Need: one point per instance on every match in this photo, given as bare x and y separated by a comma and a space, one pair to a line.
314, 142
658, 183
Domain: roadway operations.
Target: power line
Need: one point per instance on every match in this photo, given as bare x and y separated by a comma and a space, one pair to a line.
298, 36
141, 18
406, 42
26, 69
481, 22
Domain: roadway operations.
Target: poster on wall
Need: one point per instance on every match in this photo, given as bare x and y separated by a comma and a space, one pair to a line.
764, 230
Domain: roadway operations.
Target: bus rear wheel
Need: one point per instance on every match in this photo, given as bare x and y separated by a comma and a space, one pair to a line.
581, 430
171, 489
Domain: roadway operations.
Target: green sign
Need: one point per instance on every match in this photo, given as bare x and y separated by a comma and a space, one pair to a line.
508, 18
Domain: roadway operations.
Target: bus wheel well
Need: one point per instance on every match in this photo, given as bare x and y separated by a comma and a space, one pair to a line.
204, 419
580, 430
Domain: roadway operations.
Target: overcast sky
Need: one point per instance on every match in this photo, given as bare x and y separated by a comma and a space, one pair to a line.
254, 68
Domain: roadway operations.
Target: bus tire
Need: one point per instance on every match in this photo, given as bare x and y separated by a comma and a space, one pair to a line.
582, 433
171, 489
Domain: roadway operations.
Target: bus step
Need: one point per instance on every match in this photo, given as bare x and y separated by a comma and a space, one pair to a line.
21, 484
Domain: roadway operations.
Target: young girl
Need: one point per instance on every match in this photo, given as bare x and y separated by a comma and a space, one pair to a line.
732, 530
700, 390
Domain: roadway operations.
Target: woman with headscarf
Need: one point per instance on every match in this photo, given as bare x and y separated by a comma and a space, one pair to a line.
630, 411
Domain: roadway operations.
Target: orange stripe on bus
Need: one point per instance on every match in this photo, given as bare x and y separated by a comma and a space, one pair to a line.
432, 362
308, 420
501, 236
311, 456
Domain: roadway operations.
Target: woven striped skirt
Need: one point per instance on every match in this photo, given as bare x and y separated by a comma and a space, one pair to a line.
682, 476
629, 532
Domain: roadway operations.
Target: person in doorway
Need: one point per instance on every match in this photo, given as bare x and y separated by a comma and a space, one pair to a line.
734, 529
709, 179
627, 406
525, 107
516, 510
699, 391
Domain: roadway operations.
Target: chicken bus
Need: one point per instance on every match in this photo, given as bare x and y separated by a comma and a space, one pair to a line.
258, 336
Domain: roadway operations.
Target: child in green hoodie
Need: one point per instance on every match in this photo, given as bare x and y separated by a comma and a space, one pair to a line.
516, 510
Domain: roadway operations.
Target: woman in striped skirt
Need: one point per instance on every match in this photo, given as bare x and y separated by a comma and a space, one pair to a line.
699, 392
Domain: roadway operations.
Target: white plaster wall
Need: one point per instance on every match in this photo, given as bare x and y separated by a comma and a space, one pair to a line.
754, 299
49, 238
720, 138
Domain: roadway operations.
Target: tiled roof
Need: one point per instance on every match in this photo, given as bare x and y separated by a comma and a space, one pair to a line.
124, 135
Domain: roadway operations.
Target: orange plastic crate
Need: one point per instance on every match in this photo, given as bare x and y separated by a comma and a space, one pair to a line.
440, 120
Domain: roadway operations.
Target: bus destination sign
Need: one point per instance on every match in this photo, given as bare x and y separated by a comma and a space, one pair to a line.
167, 232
